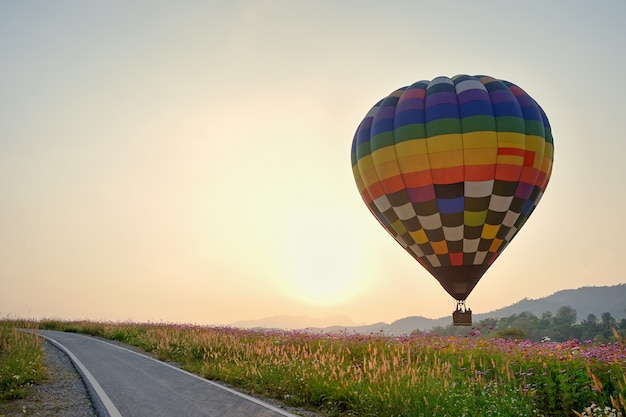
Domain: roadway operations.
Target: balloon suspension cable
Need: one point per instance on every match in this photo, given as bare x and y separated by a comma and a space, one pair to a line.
462, 316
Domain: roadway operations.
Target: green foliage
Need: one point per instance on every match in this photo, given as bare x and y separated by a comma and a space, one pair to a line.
512, 333
557, 327
20, 359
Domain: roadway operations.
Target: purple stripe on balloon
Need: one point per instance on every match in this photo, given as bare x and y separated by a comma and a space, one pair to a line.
473, 95
443, 97
386, 112
524, 190
526, 101
410, 104
421, 194
366, 123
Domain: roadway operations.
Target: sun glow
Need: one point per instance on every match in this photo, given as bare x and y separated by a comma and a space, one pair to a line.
322, 258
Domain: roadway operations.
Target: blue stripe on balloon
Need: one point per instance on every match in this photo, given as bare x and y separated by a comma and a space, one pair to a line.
528, 207
383, 119
451, 205
546, 123
409, 117
382, 126
507, 108
531, 113
476, 108
442, 111
363, 133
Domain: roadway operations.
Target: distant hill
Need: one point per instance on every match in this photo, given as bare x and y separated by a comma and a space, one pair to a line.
585, 300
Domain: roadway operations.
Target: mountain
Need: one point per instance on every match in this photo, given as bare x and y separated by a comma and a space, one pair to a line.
585, 300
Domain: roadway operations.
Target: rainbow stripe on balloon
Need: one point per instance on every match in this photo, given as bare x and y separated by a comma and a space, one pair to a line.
453, 168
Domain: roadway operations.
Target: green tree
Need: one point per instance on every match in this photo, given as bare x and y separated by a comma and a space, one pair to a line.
562, 324
592, 320
607, 320
545, 322
565, 316
513, 333
607, 324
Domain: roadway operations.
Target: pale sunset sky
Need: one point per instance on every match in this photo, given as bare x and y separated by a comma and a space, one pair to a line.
189, 161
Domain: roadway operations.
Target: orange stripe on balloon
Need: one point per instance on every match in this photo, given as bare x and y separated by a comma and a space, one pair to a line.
418, 179
448, 175
374, 191
393, 184
507, 172
479, 172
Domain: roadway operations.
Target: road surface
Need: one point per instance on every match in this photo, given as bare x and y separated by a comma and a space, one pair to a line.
124, 383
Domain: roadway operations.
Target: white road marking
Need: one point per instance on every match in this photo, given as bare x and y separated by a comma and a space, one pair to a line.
106, 401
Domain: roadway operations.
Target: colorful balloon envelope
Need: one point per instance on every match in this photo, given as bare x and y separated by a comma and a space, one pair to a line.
452, 168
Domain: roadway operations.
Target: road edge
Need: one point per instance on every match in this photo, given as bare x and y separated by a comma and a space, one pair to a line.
101, 402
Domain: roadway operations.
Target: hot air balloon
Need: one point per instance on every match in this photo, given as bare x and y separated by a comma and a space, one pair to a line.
452, 168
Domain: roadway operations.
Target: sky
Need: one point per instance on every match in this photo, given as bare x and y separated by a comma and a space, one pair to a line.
189, 161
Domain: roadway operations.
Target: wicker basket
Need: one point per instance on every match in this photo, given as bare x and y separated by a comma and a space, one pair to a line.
462, 318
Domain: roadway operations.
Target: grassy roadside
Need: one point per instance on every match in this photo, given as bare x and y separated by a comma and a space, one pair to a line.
424, 375
21, 357
350, 375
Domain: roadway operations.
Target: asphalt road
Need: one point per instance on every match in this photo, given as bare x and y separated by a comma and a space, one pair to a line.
124, 383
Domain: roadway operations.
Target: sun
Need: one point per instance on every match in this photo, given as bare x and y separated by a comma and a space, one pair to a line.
321, 273
321, 258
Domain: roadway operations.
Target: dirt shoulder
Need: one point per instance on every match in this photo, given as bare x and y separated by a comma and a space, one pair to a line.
62, 393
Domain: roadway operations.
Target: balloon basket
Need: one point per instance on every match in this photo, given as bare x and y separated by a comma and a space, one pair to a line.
462, 316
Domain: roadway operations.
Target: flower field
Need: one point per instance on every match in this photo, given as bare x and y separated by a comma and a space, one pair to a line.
376, 375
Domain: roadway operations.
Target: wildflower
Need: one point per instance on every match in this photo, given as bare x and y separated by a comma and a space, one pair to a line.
595, 411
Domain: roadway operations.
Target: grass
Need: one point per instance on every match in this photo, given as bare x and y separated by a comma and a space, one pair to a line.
20, 359
376, 375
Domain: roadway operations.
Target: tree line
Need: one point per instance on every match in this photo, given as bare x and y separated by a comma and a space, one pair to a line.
557, 327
